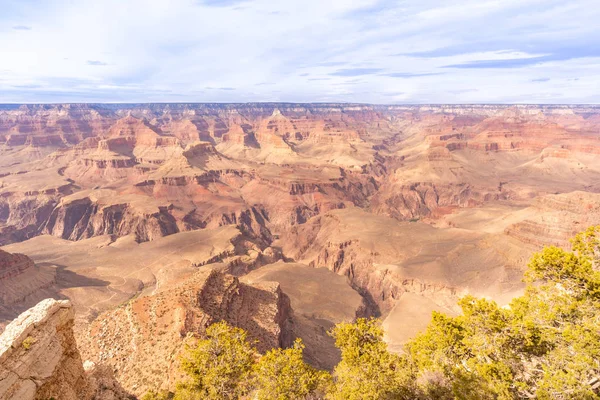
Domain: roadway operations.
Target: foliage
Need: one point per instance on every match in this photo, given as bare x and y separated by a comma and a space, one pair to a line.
545, 344
28, 342
219, 365
161, 395
367, 369
225, 366
282, 374
587, 244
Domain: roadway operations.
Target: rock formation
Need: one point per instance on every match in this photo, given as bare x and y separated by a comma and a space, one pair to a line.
143, 339
21, 281
320, 299
39, 357
206, 165
408, 207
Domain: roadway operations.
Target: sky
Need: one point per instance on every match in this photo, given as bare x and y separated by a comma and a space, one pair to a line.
367, 51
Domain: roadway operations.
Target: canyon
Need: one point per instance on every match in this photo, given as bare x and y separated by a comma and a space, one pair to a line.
147, 222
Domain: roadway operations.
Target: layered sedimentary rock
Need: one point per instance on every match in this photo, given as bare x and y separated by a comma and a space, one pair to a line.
143, 339
320, 299
213, 163
39, 357
12, 265
21, 278
86, 215
554, 219
425, 199
383, 259
408, 204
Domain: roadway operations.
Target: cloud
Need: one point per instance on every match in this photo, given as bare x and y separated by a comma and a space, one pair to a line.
221, 3
332, 63
540, 80
510, 63
461, 91
561, 54
300, 50
96, 63
21, 28
32, 86
218, 88
356, 71
410, 74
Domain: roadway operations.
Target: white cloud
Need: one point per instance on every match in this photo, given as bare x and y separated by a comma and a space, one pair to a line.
152, 50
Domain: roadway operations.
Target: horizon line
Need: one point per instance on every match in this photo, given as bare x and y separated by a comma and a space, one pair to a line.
290, 103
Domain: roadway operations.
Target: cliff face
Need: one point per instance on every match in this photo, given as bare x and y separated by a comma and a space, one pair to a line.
39, 357
84, 218
12, 265
143, 339
21, 278
383, 259
22, 215
427, 201
554, 219
272, 166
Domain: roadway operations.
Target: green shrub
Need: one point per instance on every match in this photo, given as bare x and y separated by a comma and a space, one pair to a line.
545, 344
282, 374
28, 342
218, 366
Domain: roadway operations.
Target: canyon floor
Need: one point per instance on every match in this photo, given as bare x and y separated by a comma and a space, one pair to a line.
281, 218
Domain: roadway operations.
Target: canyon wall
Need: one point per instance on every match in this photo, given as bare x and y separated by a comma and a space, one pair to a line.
21, 281
77, 171
140, 341
126, 210
40, 360
143, 339
39, 357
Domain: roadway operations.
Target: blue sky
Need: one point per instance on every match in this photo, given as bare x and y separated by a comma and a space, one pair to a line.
368, 51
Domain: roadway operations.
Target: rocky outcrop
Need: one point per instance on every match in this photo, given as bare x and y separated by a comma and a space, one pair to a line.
381, 286
263, 310
21, 278
21, 216
554, 219
320, 299
425, 199
39, 357
12, 265
142, 340
86, 217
